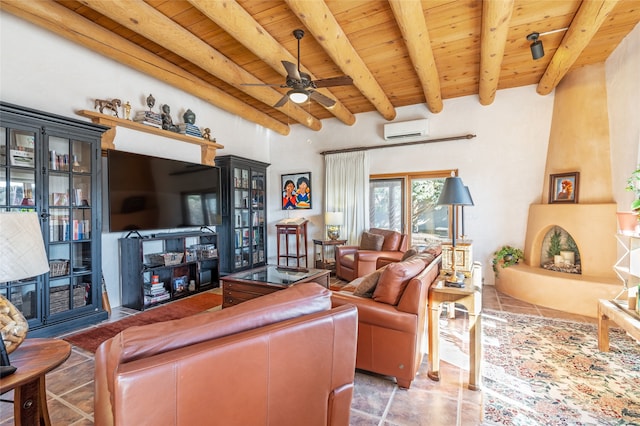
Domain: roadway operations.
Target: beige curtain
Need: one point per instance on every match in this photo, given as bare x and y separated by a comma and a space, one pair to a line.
347, 191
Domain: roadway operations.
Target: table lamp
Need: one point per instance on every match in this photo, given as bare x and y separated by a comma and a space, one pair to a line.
333, 220
23, 255
454, 194
463, 236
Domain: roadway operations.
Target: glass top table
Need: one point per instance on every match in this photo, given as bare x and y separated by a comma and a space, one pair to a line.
278, 275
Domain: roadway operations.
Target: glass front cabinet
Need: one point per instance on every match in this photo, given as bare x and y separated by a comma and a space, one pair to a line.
242, 236
51, 165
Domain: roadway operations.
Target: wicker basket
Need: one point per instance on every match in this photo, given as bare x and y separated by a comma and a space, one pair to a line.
166, 259
58, 268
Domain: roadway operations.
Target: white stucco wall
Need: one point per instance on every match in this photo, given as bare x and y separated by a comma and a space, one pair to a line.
503, 166
623, 91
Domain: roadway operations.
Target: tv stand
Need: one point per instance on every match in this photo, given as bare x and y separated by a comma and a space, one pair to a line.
179, 263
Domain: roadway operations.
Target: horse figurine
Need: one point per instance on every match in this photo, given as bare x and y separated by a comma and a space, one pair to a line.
113, 105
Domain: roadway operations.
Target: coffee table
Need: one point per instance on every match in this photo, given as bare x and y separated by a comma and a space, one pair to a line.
247, 285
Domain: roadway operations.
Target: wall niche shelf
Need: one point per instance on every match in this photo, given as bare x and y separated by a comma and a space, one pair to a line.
208, 148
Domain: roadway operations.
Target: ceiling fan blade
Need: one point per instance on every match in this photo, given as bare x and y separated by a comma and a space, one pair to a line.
322, 99
282, 101
261, 84
292, 70
344, 80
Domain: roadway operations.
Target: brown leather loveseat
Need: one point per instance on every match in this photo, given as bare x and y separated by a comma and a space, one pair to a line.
392, 316
357, 261
286, 358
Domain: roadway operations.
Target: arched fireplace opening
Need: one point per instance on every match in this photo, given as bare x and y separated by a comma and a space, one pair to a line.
559, 252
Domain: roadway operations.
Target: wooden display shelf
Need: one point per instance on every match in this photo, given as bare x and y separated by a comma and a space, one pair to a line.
208, 148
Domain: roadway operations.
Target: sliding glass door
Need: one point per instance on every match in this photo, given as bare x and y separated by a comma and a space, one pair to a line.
409, 203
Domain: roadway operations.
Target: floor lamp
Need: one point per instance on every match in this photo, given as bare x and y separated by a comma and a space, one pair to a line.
23, 255
454, 194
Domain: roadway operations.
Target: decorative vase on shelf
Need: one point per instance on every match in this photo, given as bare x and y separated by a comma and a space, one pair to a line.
627, 222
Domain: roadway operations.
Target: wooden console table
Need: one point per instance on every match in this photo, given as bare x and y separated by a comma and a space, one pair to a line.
608, 311
299, 229
33, 359
471, 298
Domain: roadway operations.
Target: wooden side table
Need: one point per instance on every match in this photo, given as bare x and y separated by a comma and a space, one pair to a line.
34, 358
300, 232
471, 298
322, 261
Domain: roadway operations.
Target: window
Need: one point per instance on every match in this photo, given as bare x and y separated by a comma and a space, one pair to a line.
409, 203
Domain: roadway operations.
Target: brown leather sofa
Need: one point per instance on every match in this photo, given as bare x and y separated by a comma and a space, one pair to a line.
392, 337
353, 262
287, 358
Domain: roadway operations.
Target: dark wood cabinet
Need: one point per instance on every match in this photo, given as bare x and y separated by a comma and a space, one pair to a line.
243, 242
165, 267
51, 165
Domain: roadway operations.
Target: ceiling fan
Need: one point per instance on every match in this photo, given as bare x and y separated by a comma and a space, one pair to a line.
301, 85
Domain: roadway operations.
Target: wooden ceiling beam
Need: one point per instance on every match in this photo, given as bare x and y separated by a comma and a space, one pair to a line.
410, 18
496, 16
319, 20
143, 19
73, 27
585, 25
232, 18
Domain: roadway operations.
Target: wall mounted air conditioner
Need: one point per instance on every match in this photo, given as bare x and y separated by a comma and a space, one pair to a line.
414, 129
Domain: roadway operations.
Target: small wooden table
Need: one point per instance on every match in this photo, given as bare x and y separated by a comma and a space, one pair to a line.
321, 260
471, 298
247, 285
300, 232
609, 310
34, 358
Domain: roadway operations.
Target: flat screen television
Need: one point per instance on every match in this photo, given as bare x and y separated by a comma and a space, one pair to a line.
147, 193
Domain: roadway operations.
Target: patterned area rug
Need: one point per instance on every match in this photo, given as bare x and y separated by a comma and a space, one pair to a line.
541, 371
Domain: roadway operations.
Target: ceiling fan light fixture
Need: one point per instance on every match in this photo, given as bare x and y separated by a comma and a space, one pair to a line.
537, 50
298, 96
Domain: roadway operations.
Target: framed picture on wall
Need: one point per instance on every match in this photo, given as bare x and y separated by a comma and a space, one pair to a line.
563, 187
296, 191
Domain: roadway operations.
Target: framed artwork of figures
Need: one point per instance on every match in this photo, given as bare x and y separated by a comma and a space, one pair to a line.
296, 191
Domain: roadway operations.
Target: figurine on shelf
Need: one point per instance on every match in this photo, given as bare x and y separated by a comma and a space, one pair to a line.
127, 111
189, 117
113, 105
167, 122
151, 101
207, 134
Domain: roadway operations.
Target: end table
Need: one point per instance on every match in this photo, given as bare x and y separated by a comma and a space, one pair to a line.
34, 358
321, 259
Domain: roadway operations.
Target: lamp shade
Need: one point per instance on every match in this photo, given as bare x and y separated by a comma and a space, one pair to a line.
469, 194
455, 193
334, 218
21, 246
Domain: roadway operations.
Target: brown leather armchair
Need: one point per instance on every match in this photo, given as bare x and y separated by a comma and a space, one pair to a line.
352, 262
286, 358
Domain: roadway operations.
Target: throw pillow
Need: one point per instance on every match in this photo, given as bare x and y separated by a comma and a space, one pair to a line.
394, 280
368, 284
370, 241
407, 254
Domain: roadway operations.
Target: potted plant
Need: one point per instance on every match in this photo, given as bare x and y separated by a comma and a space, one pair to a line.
633, 184
628, 221
505, 257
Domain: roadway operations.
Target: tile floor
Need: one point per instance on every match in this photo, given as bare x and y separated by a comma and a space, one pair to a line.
377, 400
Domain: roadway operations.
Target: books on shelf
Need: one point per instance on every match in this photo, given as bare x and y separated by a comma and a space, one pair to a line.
189, 129
148, 118
148, 300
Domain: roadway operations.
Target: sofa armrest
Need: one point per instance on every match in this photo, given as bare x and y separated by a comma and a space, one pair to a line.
345, 250
416, 296
384, 261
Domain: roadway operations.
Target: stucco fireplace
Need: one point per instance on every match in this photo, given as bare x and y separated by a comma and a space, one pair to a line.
578, 141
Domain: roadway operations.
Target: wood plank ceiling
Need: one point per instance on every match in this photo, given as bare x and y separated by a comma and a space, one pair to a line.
398, 52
